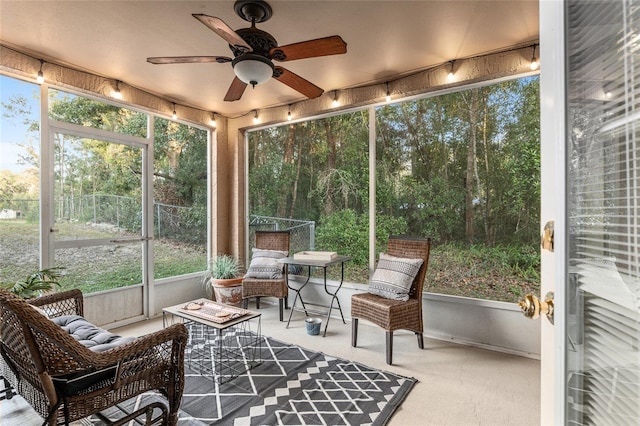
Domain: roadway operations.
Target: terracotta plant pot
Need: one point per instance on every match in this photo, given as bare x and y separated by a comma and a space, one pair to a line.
228, 291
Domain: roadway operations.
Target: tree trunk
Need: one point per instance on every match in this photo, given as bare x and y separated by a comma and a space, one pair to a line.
488, 231
294, 191
284, 181
441, 138
331, 165
471, 167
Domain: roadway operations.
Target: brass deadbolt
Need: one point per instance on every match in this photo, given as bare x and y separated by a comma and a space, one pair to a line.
532, 307
546, 240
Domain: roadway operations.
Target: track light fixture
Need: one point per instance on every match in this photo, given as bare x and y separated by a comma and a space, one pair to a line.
450, 76
212, 122
388, 98
40, 77
174, 115
534, 62
117, 94
256, 119
289, 117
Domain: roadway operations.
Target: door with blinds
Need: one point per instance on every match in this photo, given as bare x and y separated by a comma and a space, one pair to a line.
602, 204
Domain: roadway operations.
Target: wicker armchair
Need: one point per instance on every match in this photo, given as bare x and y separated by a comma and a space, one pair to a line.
37, 353
391, 314
258, 287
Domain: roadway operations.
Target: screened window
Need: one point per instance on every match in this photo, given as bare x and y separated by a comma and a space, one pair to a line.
98, 191
312, 178
180, 198
462, 168
19, 179
70, 108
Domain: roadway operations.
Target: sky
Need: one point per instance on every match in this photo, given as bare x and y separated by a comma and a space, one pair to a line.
12, 131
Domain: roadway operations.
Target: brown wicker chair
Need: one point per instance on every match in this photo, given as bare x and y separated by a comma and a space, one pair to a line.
256, 287
36, 353
390, 314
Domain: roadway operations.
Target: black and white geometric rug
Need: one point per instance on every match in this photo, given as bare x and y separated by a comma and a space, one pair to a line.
292, 386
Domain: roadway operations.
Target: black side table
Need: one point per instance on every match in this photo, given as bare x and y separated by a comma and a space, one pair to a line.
324, 264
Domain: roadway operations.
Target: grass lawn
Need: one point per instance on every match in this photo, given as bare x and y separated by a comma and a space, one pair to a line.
92, 268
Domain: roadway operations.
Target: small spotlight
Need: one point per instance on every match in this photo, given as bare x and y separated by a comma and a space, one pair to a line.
388, 97
289, 117
174, 115
256, 119
212, 122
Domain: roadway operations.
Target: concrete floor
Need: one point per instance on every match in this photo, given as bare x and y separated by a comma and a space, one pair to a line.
457, 385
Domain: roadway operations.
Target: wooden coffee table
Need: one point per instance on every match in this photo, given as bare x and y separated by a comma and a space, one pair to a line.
224, 341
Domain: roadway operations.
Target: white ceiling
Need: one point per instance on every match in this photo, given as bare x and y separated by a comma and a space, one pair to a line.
384, 39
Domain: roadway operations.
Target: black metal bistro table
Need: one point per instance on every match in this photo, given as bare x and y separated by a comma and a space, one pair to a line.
324, 264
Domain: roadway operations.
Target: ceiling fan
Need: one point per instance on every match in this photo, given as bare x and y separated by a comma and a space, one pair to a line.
255, 50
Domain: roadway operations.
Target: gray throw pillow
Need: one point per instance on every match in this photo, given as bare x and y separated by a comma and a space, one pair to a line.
393, 277
264, 264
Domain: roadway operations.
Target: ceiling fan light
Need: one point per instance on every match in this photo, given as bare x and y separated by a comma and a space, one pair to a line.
252, 69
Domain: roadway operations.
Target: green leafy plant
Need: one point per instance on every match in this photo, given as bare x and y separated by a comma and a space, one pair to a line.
36, 283
224, 272
224, 267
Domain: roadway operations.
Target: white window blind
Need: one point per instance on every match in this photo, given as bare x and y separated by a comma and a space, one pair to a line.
603, 187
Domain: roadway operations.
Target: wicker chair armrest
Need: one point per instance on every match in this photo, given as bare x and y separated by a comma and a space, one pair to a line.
69, 302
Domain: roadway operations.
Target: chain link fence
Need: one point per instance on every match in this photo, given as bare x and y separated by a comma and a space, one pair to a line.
185, 224
178, 223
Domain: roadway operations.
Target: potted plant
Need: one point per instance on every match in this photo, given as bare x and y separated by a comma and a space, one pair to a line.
225, 277
36, 283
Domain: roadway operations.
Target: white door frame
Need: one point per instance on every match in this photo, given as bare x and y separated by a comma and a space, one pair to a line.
553, 184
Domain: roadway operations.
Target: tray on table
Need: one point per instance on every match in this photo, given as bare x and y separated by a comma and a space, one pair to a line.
214, 311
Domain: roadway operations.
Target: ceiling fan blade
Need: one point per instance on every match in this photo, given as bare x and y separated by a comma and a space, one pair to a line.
219, 27
235, 90
298, 83
187, 59
333, 45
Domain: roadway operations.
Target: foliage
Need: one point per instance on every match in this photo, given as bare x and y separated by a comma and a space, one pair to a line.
224, 267
35, 283
504, 272
462, 168
350, 232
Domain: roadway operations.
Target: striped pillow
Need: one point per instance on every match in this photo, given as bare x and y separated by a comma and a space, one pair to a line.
393, 277
264, 264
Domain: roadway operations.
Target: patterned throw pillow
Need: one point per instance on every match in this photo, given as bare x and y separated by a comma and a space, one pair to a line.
393, 277
264, 264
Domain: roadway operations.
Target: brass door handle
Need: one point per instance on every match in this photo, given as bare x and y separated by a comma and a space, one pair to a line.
532, 307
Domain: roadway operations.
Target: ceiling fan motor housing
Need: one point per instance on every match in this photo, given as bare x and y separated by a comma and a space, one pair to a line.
260, 41
255, 67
